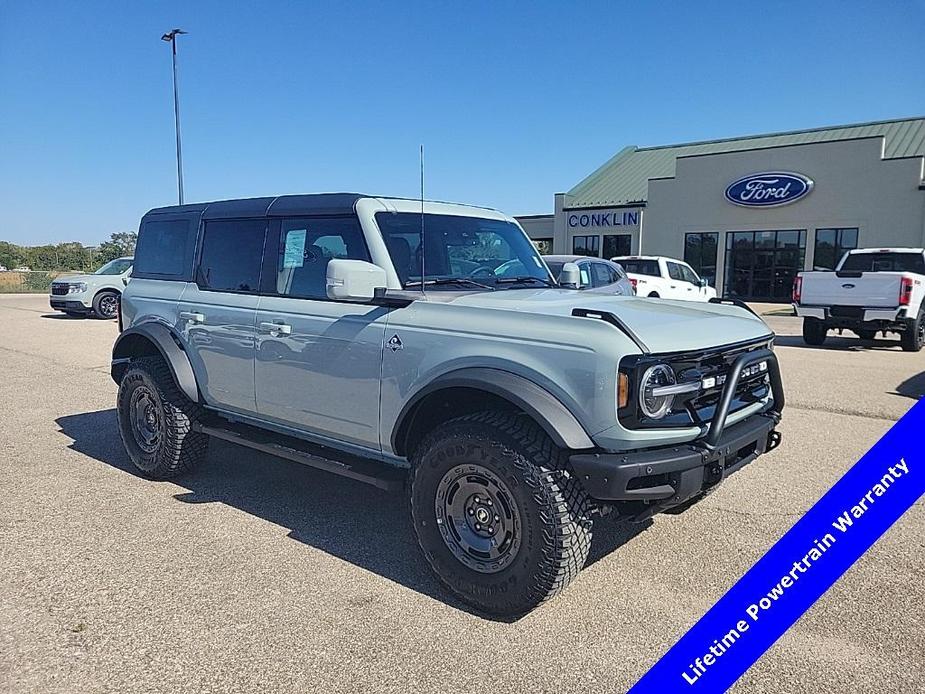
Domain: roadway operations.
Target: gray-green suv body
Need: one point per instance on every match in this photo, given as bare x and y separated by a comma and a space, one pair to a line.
96, 294
373, 338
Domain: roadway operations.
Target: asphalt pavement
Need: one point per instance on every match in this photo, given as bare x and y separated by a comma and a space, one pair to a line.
257, 574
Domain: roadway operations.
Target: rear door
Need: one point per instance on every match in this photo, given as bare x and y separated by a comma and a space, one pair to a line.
216, 312
317, 364
604, 279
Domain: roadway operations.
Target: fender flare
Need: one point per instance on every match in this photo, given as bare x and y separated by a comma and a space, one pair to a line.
545, 408
167, 344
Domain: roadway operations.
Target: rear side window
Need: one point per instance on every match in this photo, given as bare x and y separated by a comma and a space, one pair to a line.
641, 267
232, 253
884, 262
165, 250
306, 247
601, 275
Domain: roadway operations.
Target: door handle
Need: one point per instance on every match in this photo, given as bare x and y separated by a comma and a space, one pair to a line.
192, 317
276, 328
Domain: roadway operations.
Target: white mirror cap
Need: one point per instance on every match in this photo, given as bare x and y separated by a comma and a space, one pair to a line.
570, 274
353, 280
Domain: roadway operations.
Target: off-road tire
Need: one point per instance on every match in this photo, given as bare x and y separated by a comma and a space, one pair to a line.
555, 512
866, 334
106, 305
178, 447
814, 331
913, 337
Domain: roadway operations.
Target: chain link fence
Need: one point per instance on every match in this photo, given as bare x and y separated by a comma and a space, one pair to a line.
36, 282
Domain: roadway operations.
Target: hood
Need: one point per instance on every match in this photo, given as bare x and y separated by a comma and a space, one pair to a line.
662, 325
71, 279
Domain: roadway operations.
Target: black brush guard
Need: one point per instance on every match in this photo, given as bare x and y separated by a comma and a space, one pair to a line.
666, 477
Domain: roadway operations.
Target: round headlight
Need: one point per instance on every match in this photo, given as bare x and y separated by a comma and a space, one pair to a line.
652, 406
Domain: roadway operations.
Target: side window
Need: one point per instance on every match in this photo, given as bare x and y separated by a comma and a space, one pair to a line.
232, 252
600, 273
305, 248
164, 250
689, 275
674, 271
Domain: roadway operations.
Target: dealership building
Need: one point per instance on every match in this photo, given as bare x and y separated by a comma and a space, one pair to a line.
748, 213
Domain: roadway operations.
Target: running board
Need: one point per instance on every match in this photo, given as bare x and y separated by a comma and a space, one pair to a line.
381, 475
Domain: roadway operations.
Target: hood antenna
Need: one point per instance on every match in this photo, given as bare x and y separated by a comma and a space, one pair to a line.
421, 245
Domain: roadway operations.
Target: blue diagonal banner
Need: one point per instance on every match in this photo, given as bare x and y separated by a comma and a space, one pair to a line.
799, 568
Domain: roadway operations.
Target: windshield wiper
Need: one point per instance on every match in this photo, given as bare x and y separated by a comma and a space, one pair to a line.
465, 281
524, 279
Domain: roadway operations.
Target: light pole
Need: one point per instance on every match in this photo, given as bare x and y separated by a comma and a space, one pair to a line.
171, 38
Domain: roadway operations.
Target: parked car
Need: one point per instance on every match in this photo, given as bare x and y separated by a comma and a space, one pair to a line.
3, 268
96, 294
870, 291
305, 326
22, 268
668, 278
596, 275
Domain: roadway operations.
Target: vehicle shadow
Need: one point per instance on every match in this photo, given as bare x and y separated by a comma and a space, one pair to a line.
61, 316
847, 342
352, 521
913, 387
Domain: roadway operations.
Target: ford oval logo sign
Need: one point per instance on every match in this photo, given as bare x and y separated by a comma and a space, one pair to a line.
768, 189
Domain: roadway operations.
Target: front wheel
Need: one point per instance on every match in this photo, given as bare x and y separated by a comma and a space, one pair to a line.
106, 305
814, 331
500, 521
156, 421
913, 338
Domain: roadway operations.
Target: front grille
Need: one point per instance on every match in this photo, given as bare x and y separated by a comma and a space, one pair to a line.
59, 289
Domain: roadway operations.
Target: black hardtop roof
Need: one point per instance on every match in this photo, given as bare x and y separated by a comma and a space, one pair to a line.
317, 203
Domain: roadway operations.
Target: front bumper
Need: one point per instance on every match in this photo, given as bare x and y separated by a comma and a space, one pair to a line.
662, 478
59, 303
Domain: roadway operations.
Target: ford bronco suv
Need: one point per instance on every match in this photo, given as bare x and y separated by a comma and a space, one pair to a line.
373, 338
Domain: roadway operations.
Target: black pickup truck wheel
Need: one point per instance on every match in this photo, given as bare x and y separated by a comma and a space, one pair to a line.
814, 331
500, 521
156, 421
913, 338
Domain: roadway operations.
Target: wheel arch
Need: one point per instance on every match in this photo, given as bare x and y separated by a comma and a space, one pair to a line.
155, 339
468, 390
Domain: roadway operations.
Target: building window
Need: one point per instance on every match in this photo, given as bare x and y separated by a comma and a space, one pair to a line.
586, 245
831, 245
617, 245
700, 254
543, 246
761, 265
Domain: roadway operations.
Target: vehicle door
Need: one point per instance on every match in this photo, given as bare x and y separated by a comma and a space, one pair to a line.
694, 289
216, 313
603, 279
317, 365
677, 287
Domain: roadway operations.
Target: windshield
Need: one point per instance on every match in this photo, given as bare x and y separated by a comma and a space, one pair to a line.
884, 262
115, 267
462, 253
639, 267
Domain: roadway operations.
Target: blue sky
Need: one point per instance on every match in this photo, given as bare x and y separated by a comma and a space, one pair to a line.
512, 101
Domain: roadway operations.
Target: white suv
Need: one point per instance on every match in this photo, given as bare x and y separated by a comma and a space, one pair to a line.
668, 278
96, 294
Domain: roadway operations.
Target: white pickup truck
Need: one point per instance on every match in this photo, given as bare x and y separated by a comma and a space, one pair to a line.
871, 291
667, 278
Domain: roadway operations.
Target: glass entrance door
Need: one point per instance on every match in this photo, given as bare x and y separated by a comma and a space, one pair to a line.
761, 265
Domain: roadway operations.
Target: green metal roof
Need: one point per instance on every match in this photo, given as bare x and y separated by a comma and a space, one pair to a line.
624, 179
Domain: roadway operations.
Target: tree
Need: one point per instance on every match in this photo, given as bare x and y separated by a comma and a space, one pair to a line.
121, 243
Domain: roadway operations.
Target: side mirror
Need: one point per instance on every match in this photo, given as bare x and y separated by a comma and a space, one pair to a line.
125, 281
570, 277
353, 280
702, 282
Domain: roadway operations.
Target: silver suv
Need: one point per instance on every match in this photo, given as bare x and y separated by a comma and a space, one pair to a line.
376, 338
